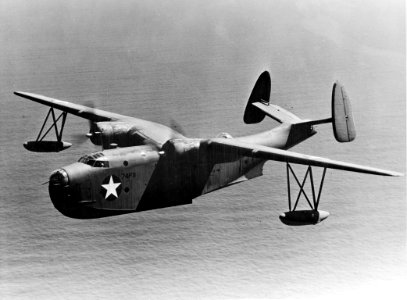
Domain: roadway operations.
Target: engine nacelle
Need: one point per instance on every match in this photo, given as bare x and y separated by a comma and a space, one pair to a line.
115, 134
181, 147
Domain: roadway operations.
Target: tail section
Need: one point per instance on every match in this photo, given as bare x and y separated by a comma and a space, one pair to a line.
260, 94
342, 118
258, 107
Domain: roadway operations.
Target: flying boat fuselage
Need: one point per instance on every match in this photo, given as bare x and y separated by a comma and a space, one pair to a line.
138, 178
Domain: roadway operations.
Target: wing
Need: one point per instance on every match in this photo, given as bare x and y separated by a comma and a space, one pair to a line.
268, 153
92, 114
154, 132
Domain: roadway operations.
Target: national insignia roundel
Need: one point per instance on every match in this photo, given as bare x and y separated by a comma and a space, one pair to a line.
111, 188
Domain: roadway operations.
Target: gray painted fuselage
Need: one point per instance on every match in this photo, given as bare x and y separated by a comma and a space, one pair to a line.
157, 176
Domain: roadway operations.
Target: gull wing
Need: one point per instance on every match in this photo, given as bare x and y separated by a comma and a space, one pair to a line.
154, 132
258, 151
92, 114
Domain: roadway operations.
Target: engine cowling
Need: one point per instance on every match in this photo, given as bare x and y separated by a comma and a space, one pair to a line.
115, 134
177, 148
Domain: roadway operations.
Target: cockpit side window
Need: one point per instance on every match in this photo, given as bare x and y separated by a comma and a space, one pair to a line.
101, 164
91, 160
94, 163
83, 159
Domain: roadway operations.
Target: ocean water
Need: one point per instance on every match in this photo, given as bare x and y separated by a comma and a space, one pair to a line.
196, 62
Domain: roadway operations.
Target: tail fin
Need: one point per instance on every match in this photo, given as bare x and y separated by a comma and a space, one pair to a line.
260, 94
342, 119
258, 105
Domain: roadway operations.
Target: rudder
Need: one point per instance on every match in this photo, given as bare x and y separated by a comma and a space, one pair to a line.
260, 93
342, 118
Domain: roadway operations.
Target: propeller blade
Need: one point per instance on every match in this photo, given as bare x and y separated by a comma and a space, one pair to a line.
80, 138
174, 125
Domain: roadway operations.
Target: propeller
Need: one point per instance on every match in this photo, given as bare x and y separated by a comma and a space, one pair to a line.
80, 138
174, 125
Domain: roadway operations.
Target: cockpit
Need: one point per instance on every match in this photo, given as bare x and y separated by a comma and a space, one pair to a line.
95, 160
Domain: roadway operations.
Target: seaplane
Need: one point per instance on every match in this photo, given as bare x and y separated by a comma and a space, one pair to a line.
144, 165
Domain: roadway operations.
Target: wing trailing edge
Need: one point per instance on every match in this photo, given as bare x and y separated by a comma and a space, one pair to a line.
268, 153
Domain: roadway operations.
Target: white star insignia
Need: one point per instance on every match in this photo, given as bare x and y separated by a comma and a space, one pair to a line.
111, 188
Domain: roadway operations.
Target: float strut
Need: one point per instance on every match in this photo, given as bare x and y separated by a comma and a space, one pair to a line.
315, 200
288, 188
320, 188
54, 124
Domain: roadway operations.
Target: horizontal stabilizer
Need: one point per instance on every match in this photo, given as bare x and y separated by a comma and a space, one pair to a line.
258, 106
277, 113
268, 153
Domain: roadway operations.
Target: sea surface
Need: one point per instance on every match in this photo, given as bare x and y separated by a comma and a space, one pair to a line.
196, 62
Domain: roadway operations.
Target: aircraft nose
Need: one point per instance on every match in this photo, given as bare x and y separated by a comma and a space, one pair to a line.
60, 190
59, 178
68, 187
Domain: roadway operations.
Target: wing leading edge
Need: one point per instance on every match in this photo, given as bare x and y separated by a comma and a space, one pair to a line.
268, 153
92, 114
154, 132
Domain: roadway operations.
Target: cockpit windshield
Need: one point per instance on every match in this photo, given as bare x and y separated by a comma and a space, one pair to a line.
94, 161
